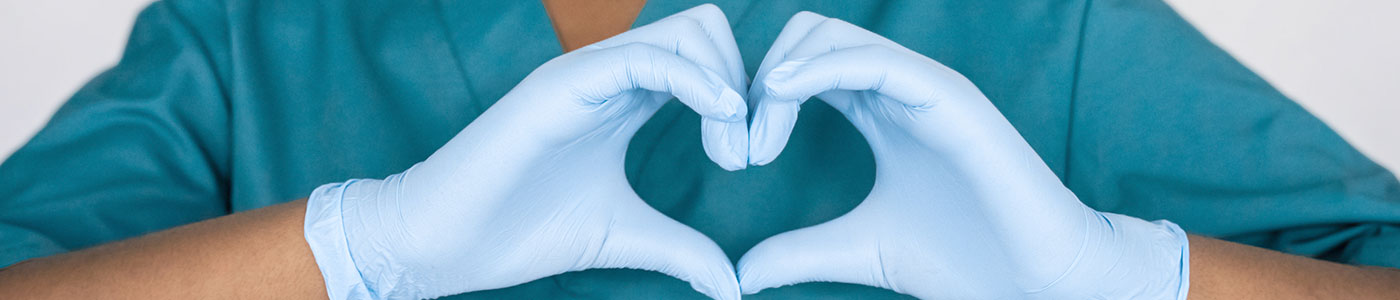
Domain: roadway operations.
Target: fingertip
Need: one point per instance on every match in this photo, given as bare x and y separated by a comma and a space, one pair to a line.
774, 113
721, 283
771, 130
759, 155
733, 165
710, 271
752, 274
751, 287
726, 143
755, 157
727, 161
761, 161
726, 138
646, 239
740, 145
728, 287
735, 110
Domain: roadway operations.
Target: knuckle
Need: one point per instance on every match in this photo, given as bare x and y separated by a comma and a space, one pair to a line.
710, 14
708, 9
679, 22
689, 23
682, 29
805, 15
833, 24
632, 49
691, 30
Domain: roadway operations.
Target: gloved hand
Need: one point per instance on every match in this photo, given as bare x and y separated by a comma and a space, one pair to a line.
535, 187
962, 207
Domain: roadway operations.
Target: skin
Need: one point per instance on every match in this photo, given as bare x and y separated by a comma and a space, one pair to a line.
580, 23
262, 254
1225, 270
258, 254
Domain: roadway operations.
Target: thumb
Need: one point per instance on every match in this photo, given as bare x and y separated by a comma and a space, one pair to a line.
643, 238
845, 250
827, 252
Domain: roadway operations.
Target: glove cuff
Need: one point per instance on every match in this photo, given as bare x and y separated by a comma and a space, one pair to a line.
1185, 262
1127, 258
325, 233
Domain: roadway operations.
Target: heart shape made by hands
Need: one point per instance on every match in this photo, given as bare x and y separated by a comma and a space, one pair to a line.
961, 206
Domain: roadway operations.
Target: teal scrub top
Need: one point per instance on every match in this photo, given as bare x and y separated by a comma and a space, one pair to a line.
220, 107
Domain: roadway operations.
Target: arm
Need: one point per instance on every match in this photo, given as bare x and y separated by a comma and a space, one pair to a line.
1225, 270
143, 147
264, 248
259, 254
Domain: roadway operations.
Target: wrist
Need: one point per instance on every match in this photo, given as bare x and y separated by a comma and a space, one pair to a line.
354, 231
325, 233
1127, 258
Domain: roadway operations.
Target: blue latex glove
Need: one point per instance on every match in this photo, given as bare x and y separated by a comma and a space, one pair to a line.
535, 187
962, 207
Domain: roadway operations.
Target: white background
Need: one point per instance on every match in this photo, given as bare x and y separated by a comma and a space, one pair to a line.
1339, 58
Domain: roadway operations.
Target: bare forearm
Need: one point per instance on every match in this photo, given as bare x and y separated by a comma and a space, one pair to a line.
252, 255
262, 254
1225, 270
